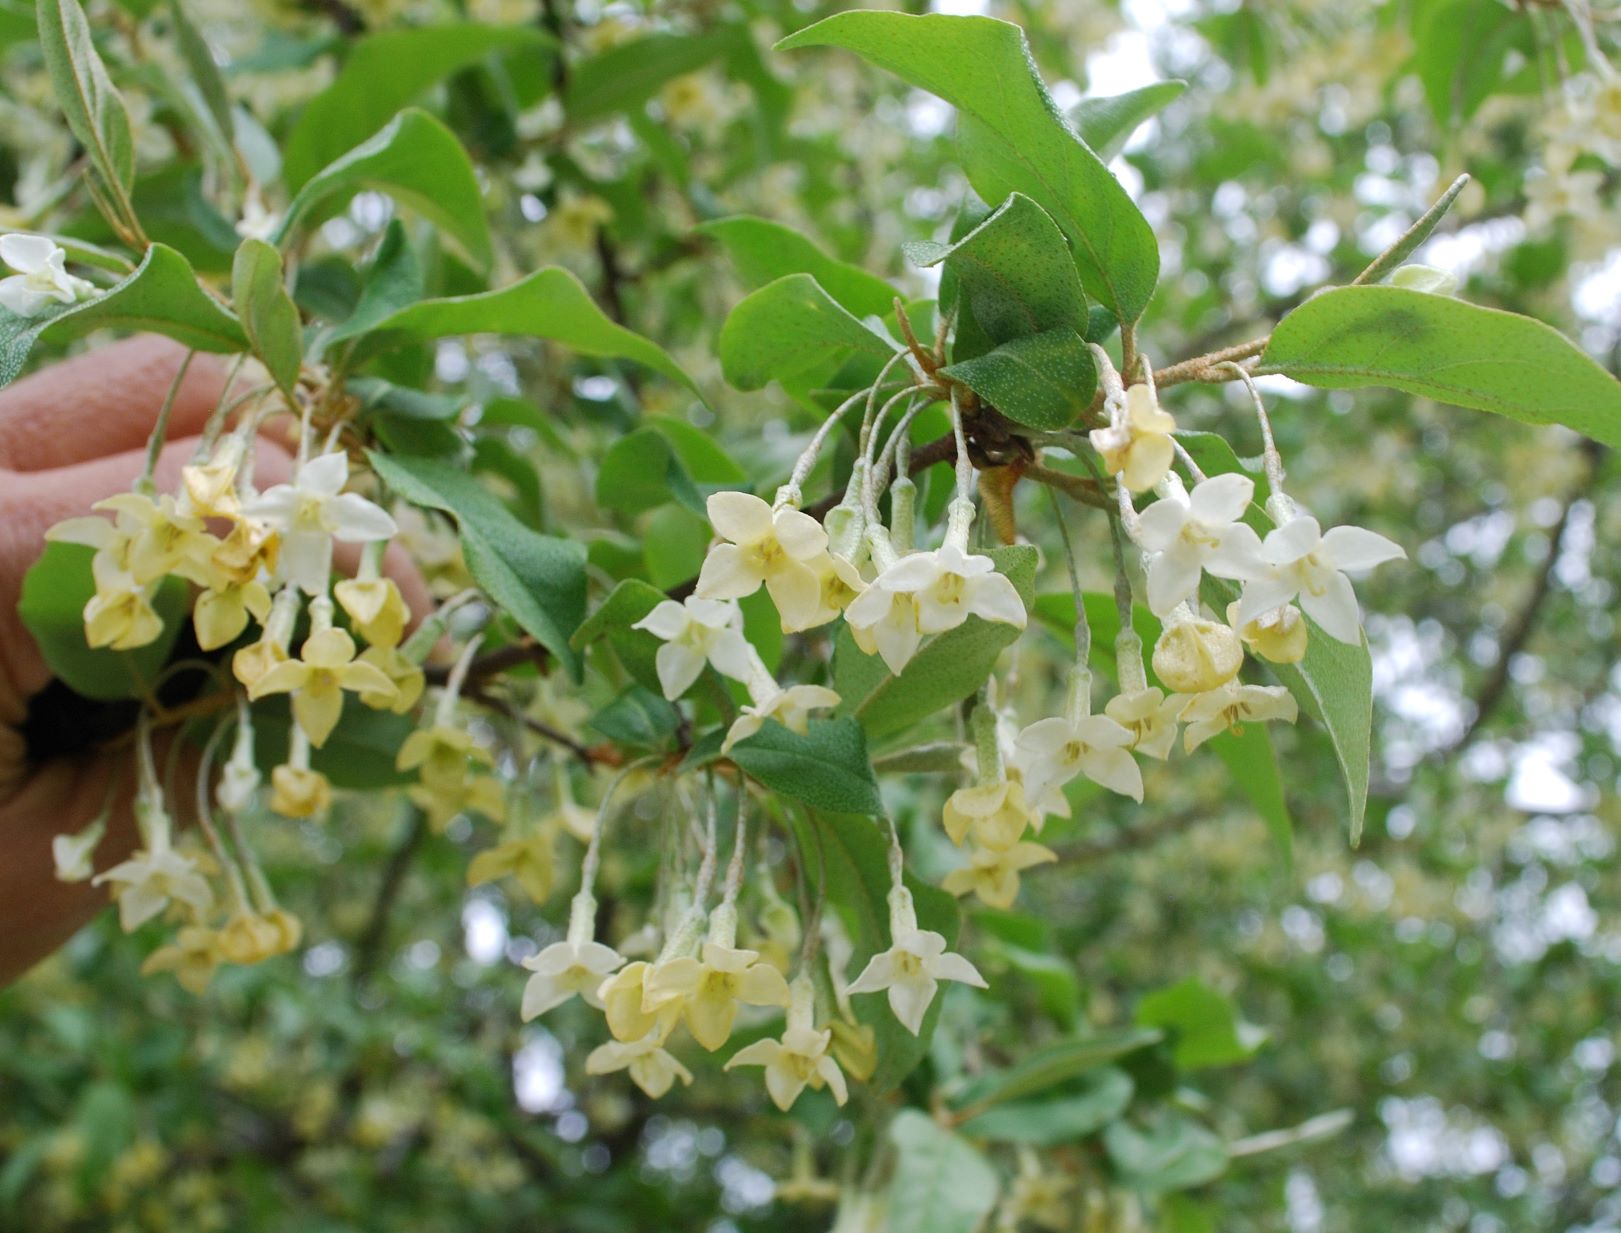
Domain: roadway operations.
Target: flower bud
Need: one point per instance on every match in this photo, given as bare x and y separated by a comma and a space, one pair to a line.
1279, 634
248, 938
1195, 655
251, 663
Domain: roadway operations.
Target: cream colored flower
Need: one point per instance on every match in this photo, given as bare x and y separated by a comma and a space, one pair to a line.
996, 813
1136, 445
316, 680
651, 1068
800, 1059
781, 549
564, 969
710, 988
993, 873
790, 707
146, 883
1227, 707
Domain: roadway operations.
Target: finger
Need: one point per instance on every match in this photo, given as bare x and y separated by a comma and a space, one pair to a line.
104, 402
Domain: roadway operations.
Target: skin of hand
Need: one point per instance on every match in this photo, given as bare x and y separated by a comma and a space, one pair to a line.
71, 435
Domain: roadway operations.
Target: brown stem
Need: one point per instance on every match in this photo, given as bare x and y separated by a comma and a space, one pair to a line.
1203, 367
602, 756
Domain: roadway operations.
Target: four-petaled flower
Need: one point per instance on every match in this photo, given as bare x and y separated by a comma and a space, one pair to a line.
1300, 559
1055, 751
326, 666
1150, 716
564, 969
1212, 713
993, 873
1136, 444
913, 966
1188, 534
790, 707
996, 813
311, 512
709, 989
695, 633
950, 585
147, 881
651, 1068
41, 278
799, 1059
781, 548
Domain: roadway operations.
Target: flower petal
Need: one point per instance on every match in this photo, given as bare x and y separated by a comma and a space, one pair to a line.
739, 516
1356, 548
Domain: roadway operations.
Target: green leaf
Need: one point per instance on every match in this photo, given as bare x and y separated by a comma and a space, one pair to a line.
1107, 123
948, 668
1253, 763
763, 251
827, 768
1012, 137
1170, 1152
1414, 236
1205, 1027
941, 1184
639, 718
550, 303
538, 580
393, 283
414, 159
359, 755
1071, 1112
1015, 271
1044, 381
1448, 350
204, 71
625, 76
637, 649
1460, 52
267, 312
382, 74
849, 857
55, 590
794, 332
640, 471
162, 296
94, 112
1059, 1062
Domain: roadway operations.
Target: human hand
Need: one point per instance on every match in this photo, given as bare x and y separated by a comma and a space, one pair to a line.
70, 436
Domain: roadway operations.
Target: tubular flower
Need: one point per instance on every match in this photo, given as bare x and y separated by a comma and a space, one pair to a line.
1187, 535
651, 1068
780, 548
996, 813
885, 622
1150, 716
696, 632
626, 1005
192, 957
312, 511
790, 707
711, 987
529, 861
403, 672
161, 539
564, 969
1300, 559
799, 1059
1212, 713
993, 873
914, 965
1136, 444
41, 279
299, 792
221, 612
146, 883
376, 607
316, 680
950, 585
1056, 750
1278, 634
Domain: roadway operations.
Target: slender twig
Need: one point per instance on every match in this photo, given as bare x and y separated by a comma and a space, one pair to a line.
587, 755
1203, 367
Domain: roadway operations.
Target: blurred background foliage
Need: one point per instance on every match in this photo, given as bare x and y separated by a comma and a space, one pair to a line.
1451, 983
